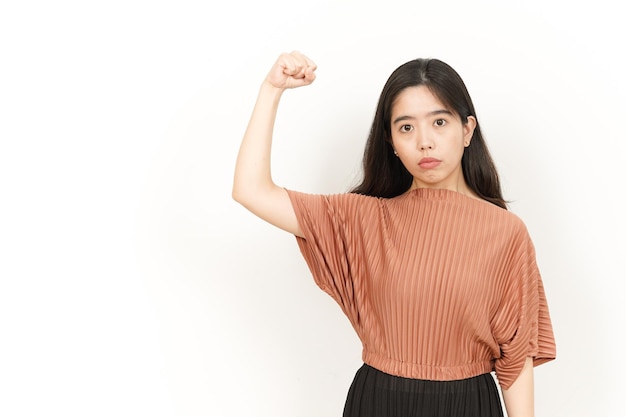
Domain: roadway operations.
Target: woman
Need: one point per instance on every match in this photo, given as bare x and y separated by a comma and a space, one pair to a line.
438, 279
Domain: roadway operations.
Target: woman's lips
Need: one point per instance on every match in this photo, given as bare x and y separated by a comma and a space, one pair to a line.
429, 163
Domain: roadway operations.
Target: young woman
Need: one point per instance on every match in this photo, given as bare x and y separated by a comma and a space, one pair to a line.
437, 277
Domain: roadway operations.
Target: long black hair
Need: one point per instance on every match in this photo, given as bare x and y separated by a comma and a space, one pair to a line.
384, 175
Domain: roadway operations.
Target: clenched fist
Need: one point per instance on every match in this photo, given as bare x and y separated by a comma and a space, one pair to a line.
291, 70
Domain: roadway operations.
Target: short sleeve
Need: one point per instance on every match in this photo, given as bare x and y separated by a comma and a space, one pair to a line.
522, 325
332, 244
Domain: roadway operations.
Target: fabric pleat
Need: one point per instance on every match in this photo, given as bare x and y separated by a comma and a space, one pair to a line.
376, 394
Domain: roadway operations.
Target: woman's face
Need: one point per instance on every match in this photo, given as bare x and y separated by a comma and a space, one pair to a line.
429, 139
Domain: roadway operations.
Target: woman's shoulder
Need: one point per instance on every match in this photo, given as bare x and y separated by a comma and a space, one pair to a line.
344, 199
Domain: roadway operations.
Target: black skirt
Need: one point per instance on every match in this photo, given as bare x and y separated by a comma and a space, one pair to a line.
376, 394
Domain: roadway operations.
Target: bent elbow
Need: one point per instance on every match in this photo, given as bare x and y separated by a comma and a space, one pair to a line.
237, 194
243, 195
253, 197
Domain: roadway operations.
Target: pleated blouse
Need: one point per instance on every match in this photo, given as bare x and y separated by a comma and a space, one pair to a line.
437, 285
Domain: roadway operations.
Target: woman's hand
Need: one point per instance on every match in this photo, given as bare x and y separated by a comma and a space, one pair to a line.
291, 70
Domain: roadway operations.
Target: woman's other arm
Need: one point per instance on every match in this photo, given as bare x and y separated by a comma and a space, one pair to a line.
519, 399
253, 186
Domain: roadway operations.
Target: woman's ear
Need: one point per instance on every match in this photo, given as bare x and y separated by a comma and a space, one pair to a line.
468, 130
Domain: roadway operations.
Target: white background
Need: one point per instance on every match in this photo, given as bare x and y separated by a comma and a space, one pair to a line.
132, 285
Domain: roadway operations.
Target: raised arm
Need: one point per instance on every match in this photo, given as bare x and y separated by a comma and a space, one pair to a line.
253, 186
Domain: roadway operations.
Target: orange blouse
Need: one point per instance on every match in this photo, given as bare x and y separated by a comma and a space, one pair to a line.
437, 285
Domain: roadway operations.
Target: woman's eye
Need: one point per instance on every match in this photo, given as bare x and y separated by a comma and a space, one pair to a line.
406, 128
440, 122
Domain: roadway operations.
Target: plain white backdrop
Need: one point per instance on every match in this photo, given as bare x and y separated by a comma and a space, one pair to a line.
132, 285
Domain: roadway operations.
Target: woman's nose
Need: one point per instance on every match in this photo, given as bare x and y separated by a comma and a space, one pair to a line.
424, 140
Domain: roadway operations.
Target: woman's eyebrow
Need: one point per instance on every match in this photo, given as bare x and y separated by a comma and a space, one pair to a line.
432, 113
